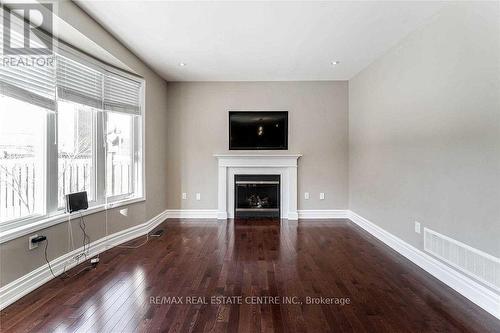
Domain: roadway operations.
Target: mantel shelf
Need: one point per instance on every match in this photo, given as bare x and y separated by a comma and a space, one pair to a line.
257, 155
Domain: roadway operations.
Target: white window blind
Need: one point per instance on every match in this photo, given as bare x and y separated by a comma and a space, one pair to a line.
33, 83
74, 77
122, 94
79, 83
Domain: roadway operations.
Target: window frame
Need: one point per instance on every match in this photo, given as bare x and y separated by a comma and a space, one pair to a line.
121, 196
27, 219
52, 214
96, 141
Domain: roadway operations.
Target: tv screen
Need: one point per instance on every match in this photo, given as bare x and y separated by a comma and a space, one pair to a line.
267, 130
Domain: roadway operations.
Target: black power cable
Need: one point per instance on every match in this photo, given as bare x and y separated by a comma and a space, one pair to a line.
86, 237
66, 275
47, 260
86, 248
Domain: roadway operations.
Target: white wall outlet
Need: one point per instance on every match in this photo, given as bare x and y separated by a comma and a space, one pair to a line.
306, 195
31, 245
322, 196
198, 196
417, 227
184, 196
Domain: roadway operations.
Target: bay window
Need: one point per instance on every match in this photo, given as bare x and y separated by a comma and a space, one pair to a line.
70, 128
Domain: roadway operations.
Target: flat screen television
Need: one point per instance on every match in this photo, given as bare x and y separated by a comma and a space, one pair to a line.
258, 130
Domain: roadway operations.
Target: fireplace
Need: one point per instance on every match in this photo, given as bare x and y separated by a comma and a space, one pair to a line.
256, 196
284, 165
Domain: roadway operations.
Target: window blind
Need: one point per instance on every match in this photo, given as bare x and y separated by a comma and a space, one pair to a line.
32, 82
79, 83
122, 94
72, 75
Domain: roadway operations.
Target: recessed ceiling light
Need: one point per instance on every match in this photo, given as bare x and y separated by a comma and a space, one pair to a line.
182, 64
335, 62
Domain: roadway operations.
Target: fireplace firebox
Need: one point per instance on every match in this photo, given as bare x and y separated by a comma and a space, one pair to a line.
257, 196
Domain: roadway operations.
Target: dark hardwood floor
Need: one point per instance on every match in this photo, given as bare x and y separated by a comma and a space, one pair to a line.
330, 259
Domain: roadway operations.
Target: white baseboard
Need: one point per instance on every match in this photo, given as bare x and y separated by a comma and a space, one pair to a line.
323, 214
475, 292
34, 279
192, 213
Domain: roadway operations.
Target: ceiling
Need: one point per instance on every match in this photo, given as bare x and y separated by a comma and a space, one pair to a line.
259, 41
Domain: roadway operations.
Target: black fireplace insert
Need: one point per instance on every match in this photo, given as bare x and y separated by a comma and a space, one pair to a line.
256, 196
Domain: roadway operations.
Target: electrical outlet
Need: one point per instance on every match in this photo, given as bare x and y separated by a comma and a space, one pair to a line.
198, 196
417, 227
322, 196
31, 245
306, 195
184, 196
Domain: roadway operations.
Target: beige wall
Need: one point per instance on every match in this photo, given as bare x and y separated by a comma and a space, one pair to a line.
198, 128
424, 129
15, 258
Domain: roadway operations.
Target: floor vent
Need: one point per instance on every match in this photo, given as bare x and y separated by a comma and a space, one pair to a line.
480, 265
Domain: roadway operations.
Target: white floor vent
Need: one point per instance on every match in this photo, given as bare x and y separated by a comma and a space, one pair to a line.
480, 265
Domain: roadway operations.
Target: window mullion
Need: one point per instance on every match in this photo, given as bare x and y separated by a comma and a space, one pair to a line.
51, 164
136, 156
100, 158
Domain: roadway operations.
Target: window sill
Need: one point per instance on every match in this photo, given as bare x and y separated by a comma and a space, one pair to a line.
47, 222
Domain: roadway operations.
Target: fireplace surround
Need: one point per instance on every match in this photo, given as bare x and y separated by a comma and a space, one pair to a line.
284, 165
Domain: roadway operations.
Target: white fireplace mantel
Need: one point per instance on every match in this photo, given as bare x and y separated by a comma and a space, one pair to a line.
284, 165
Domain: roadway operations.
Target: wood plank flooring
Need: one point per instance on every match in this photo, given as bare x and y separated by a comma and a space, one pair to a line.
272, 260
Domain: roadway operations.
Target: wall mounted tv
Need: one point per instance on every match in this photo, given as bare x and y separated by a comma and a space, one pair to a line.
258, 130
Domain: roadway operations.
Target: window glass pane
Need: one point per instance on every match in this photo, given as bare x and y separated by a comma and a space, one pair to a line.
22, 159
76, 171
119, 159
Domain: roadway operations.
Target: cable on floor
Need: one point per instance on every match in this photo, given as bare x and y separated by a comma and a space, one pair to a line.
136, 246
64, 274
